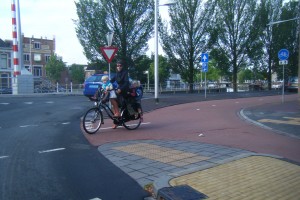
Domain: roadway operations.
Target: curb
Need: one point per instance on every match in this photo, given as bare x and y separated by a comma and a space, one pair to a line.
243, 116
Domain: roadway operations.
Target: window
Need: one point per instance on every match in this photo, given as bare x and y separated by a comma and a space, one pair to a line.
37, 57
26, 57
47, 57
5, 81
3, 61
36, 45
37, 71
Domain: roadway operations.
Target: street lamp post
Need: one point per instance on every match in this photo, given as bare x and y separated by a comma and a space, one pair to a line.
156, 78
156, 53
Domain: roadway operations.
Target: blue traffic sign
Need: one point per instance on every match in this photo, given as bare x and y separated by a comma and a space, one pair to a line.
204, 57
204, 67
283, 54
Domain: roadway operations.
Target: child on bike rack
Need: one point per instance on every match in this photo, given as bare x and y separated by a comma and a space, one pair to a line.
135, 96
108, 89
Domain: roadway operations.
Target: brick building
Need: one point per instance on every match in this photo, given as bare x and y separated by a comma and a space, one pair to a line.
36, 53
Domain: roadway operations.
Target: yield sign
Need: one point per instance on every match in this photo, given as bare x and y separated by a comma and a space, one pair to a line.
109, 53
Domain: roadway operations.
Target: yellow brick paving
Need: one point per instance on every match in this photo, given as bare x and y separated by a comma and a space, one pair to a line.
255, 178
162, 154
289, 120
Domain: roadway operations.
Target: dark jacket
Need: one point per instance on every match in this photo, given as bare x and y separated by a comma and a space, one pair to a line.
122, 80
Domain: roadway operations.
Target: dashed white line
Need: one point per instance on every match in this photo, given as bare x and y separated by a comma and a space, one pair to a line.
28, 103
49, 102
65, 123
2, 157
4, 103
51, 150
29, 125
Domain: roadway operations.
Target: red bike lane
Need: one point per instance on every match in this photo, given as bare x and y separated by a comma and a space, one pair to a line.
214, 122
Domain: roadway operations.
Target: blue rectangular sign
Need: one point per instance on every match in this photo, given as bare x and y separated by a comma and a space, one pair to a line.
204, 57
204, 67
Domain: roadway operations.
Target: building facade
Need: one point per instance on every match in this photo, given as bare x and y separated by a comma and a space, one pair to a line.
36, 53
6, 64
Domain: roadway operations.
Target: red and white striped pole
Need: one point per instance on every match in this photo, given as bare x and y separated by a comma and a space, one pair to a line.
15, 40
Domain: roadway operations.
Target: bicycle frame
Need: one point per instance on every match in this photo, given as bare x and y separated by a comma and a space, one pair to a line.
93, 118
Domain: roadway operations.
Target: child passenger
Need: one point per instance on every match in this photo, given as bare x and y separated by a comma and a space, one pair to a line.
136, 92
108, 88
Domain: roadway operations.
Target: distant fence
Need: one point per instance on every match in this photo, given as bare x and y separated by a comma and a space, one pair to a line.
5, 88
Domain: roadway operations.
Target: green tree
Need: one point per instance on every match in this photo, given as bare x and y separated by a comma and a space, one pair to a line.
184, 41
163, 70
286, 36
262, 55
232, 23
131, 21
54, 67
244, 75
77, 73
142, 64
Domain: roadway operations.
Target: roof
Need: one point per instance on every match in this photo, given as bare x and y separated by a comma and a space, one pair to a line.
5, 44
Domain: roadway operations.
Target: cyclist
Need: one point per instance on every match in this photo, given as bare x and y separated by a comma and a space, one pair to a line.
122, 79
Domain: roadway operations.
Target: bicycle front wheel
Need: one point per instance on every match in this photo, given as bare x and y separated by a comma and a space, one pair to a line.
130, 122
92, 120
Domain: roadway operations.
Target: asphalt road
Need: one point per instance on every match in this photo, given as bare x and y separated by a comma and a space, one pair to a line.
43, 154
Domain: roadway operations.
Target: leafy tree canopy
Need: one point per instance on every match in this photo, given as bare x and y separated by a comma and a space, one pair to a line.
131, 21
187, 36
54, 67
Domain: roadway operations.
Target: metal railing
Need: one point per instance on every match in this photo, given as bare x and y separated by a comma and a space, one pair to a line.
70, 88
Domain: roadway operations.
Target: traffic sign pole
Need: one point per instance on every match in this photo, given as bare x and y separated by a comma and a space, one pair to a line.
283, 83
204, 60
283, 55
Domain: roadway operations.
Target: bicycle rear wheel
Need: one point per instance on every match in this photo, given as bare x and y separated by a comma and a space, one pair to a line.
130, 122
92, 120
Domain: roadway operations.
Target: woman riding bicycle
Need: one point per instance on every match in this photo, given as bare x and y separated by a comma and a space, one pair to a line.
122, 89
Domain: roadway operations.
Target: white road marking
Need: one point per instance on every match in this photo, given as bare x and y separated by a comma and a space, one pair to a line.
95, 198
29, 125
28, 103
4, 103
51, 150
65, 123
49, 102
2, 157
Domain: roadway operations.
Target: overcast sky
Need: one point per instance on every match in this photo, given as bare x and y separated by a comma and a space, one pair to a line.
48, 19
